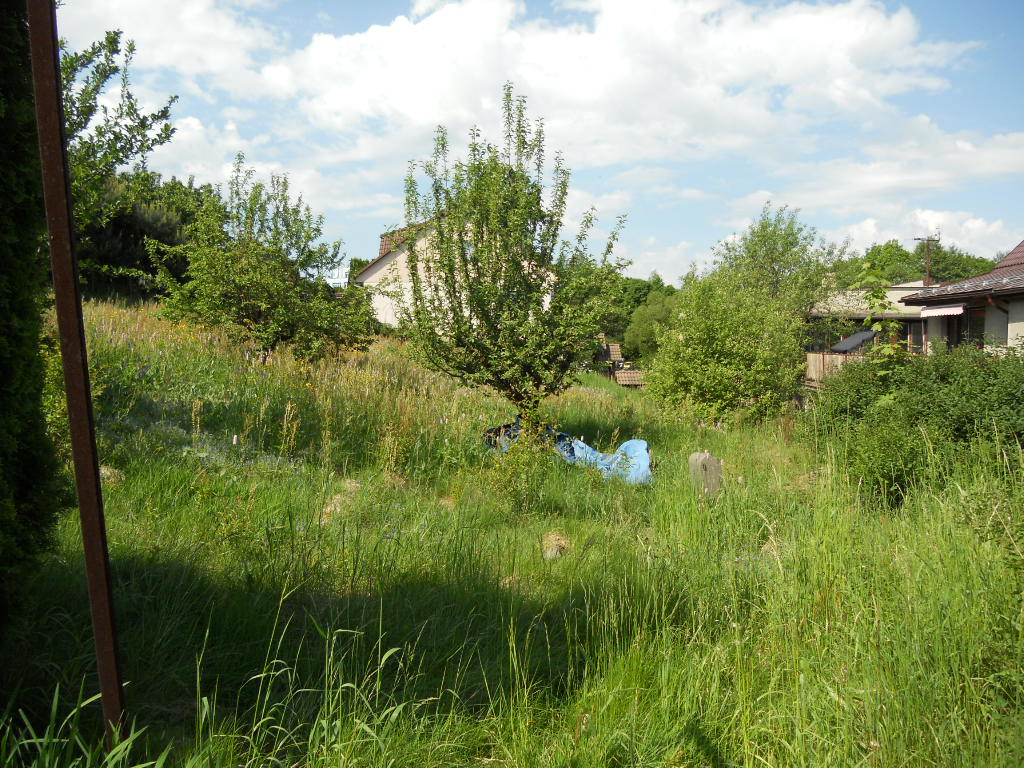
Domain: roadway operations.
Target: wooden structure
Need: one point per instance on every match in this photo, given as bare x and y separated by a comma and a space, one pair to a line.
628, 377
822, 364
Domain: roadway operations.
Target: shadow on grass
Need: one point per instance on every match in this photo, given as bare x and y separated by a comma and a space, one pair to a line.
463, 642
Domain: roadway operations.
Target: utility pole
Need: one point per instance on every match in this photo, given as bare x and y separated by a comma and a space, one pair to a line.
927, 257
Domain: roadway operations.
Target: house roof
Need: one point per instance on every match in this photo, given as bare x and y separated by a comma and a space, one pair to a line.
630, 378
1006, 277
611, 352
389, 242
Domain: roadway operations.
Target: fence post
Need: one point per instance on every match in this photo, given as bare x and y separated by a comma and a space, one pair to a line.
42, 16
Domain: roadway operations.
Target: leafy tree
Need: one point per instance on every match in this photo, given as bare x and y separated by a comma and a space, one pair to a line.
782, 257
32, 490
950, 263
728, 347
104, 139
255, 266
895, 264
498, 300
630, 293
735, 337
160, 211
355, 266
648, 321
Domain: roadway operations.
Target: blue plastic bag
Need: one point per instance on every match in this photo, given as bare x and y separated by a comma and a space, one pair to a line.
631, 461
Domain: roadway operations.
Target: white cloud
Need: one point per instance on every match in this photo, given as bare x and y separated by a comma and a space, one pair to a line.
643, 82
200, 40
974, 234
643, 87
421, 8
670, 261
607, 208
925, 159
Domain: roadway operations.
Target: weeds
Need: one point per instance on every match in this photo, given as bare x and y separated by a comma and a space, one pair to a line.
356, 581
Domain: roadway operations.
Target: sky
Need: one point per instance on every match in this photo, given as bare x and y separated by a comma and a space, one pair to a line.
874, 119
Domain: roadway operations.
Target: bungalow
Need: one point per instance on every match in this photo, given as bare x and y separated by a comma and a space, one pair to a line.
987, 309
853, 306
833, 347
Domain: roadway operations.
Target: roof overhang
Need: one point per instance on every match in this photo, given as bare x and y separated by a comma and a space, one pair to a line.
944, 310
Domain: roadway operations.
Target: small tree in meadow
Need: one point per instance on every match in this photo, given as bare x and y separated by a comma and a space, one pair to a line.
727, 348
255, 267
498, 299
735, 337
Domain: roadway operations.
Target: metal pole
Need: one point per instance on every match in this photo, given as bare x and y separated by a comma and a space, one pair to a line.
42, 16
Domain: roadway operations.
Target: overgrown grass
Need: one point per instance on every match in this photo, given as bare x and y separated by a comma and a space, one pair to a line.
354, 581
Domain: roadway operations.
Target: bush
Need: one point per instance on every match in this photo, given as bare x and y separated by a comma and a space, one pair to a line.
31, 492
727, 349
255, 268
884, 425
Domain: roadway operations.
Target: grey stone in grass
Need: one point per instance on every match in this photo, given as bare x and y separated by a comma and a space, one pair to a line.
554, 545
706, 472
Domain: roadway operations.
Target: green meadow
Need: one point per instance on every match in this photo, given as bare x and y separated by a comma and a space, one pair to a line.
322, 565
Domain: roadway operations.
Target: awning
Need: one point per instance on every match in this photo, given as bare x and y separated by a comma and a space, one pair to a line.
852, 342
946, 310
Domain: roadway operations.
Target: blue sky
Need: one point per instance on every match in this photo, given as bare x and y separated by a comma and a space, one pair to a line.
876, 119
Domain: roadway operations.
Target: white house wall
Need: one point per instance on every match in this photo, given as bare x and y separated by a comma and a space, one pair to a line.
996, 326
389, 275
1015, 323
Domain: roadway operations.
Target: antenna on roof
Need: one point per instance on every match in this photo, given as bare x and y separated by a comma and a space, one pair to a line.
927, 257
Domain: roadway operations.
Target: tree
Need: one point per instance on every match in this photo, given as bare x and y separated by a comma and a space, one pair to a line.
647, 323
498, 300
728, 347
781, 256
950, 263
255, 266
355, 266
895, 264
32, 490
104, 139
160, 211
736, 336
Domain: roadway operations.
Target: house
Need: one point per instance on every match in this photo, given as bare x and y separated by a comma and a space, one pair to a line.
853, 306
987, 309
388, 275
846, 341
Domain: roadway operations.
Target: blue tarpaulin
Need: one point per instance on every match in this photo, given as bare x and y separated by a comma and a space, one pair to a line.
631, 461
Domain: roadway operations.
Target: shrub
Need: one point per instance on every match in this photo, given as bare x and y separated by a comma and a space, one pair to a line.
255, 267
883, 425
726, 349
31, 492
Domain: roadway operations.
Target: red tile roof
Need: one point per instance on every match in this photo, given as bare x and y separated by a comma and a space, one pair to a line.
1006, 277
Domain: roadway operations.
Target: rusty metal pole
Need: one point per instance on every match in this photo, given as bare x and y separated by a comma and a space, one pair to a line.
42, 17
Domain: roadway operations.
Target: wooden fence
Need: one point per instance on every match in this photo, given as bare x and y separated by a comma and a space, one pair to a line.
822, 364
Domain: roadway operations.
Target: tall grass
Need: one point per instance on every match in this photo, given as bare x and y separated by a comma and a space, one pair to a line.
353, 580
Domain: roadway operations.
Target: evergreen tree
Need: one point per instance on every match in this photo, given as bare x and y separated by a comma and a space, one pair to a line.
32, 490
